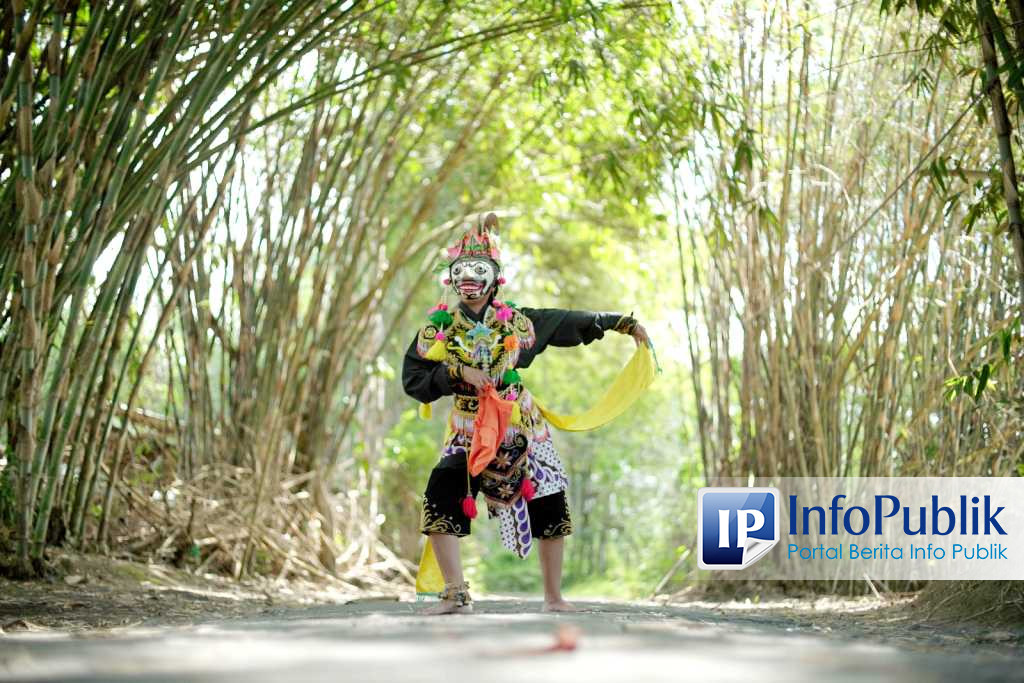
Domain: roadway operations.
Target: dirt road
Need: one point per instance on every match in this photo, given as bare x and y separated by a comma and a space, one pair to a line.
511, 640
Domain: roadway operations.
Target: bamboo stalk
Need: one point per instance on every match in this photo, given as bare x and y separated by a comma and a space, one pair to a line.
987, 23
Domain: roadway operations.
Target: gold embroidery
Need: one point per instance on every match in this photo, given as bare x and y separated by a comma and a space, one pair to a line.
563, 527
432, 521
466, 404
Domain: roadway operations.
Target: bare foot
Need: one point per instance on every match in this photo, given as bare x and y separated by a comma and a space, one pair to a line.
559, 606
447, 607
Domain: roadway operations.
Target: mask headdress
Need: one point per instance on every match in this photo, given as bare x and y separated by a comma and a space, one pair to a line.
474, 270
474, 262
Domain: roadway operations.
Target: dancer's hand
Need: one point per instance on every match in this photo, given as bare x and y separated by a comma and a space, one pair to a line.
478, 378
640, 335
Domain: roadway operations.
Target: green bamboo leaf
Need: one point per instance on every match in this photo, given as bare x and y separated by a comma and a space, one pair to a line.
986, 370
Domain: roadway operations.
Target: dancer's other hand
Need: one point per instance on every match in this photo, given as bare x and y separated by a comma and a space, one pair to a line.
476, 377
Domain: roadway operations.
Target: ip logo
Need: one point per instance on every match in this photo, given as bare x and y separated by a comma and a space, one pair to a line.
736, 526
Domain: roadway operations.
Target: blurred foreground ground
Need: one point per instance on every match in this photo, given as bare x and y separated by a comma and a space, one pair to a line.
162, 629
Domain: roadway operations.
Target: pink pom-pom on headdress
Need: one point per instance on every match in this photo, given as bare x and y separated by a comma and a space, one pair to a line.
440, 336
502, 280
504, 314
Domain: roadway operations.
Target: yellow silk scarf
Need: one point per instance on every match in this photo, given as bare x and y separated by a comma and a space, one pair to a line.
630, 383
628, 386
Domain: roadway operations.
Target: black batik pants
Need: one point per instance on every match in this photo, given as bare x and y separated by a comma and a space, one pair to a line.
442, 507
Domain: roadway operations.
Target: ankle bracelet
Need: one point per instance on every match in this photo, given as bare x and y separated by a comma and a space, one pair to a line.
459, 592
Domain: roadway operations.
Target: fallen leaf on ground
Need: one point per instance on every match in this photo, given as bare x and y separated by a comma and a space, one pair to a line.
21, 625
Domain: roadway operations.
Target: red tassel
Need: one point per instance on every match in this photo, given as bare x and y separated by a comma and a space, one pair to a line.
527, 489
469, 507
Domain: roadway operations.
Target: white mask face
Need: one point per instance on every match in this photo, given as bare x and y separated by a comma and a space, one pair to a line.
472, 278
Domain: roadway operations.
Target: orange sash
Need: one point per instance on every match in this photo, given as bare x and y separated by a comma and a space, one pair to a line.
489, 428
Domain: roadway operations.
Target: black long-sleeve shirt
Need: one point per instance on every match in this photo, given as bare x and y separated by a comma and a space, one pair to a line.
428, 380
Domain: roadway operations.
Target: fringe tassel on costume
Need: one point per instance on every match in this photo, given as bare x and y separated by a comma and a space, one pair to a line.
469, 502
528, 489
438, 351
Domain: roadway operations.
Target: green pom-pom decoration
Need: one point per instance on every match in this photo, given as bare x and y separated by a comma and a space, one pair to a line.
511, 304
510, 376
440, 318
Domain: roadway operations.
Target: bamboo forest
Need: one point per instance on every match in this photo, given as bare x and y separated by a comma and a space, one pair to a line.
226, 237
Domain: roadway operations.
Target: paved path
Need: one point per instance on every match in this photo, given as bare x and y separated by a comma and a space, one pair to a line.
505, 641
